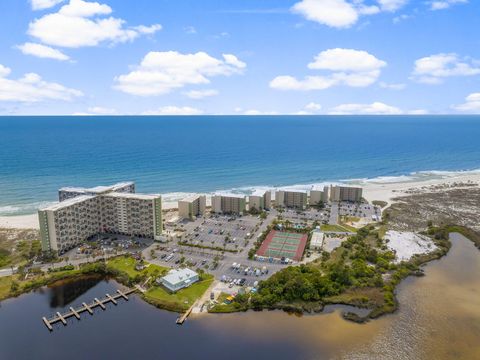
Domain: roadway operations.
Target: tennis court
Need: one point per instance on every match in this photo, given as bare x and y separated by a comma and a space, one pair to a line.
280, 244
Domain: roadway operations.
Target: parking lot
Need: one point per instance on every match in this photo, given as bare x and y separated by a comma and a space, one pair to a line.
108, 244
359, 210
221, 232
307, 216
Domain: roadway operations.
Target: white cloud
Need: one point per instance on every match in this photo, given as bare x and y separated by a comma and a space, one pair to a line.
161, 72
174, 110
44, 4
42, 51
31, 88
434, 68
254, 112
200, 94
99, 110
348, 67
334, 13
392, 5
445, 4
472, 104
190, 30
342, 13
376, 108
80, 23
313, 107
385, 85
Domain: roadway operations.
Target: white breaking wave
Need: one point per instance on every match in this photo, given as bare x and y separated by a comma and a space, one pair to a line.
24, 209
170, 200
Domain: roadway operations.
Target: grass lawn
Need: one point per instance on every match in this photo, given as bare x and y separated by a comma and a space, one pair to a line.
5, 283
182, 299
127, 264
338, 228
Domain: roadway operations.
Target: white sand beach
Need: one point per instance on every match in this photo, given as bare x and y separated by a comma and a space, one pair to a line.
19, 222
386, 191
374, 189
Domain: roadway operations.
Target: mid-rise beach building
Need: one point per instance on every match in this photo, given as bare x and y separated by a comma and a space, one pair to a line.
229, 204
317, 196
260, 200
192, 207
72, 221
291, 199
345, 193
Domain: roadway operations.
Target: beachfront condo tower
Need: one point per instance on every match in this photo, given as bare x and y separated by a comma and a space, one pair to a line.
345, 193
192, 207
291, 199
72, 221
260, 200
229, 204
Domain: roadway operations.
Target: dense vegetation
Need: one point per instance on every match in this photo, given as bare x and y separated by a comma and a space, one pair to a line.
360, 272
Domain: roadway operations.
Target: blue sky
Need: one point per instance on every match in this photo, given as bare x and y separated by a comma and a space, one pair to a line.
239, 57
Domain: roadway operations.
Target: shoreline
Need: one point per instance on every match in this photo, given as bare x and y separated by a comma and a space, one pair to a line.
378, 189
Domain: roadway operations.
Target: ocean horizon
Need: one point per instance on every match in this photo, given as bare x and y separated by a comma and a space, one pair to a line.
178, 155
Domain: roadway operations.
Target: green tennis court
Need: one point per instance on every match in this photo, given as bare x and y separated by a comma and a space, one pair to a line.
283, 245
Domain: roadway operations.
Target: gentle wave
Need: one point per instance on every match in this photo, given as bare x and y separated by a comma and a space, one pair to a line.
170, 199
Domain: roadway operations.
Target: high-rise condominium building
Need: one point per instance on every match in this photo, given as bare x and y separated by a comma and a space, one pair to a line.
229, 204
72, 221
192, 206
291, 199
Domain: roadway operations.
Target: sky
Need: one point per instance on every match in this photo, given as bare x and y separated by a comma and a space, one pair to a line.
244, 57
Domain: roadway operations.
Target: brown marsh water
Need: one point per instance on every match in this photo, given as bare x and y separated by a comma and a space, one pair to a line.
439, 318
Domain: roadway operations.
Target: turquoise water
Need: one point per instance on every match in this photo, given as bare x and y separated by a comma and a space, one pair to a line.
176, 155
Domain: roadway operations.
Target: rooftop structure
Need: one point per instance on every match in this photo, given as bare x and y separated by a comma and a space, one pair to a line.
229, 204
316, 241
66, 193
192, 206
179, 279
291, 199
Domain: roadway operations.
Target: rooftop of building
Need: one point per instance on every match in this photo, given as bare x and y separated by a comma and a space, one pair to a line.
293, 191
97, 189
133, 196
191, 198
236, 196
67, 203
175, 276
259, 192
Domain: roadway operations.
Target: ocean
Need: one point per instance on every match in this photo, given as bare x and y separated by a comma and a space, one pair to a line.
179, 155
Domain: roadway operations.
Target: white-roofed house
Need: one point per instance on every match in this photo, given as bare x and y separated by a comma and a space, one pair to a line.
179, 279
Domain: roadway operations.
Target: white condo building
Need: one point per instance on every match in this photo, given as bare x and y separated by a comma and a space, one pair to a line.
74, 220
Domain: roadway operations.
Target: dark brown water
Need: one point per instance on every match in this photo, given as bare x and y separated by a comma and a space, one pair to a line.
439, 318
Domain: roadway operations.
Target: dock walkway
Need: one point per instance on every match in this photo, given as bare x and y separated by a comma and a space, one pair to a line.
86, 307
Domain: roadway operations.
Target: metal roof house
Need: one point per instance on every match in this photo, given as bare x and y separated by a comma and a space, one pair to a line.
179, 279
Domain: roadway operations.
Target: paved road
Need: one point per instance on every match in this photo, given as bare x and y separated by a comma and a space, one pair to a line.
333, 214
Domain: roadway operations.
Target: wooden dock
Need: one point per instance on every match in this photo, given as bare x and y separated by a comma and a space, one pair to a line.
58, 317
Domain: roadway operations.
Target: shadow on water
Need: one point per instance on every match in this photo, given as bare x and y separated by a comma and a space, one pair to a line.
66, 292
